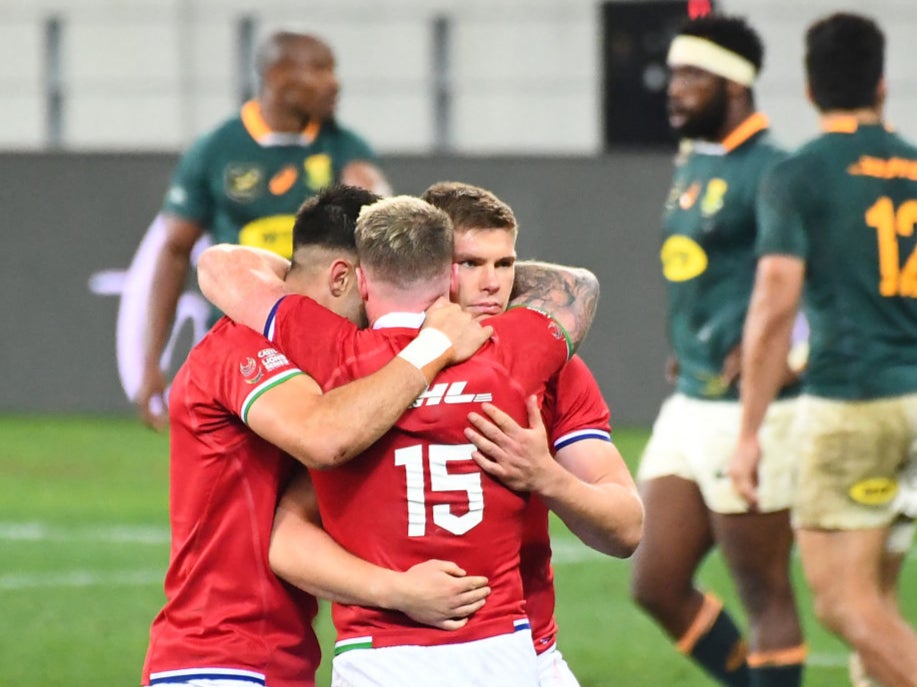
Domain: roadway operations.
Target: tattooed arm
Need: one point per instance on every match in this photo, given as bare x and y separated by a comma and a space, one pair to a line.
569, 294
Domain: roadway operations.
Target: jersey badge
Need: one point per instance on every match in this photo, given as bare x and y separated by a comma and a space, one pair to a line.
713, 198
243, 182
319, 171
283, 180
271, 359
251, 371
687, 199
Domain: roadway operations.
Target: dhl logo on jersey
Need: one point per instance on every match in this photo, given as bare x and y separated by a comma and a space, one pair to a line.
881, 168
449, 393
682, 258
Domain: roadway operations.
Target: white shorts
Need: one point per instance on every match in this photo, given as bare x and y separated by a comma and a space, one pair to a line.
505, 661
856, 462
694, 439
553, 670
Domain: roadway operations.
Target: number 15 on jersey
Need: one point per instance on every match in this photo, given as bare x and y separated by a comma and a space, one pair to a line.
439, 456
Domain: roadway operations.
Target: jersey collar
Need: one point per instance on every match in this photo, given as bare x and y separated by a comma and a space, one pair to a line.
847, 125
753, 124
400, 320
259, 130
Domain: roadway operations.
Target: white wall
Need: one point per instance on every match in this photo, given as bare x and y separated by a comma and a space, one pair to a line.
151, 74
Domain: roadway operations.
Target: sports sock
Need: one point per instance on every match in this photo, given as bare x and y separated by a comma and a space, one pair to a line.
779, 668
714, 642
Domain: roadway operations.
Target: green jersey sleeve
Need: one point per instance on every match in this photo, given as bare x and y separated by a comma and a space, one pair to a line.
781, 221
190, 194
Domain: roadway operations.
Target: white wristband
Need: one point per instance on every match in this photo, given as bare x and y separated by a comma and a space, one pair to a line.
429, 345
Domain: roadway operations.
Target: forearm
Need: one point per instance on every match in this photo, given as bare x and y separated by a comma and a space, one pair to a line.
167, 285
766, 345
306, 556
607, 517
243, 282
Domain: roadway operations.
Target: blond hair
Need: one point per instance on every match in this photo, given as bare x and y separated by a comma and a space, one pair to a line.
403, 240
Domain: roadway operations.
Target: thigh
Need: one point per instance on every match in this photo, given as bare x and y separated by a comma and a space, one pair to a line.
851, 455
676, 533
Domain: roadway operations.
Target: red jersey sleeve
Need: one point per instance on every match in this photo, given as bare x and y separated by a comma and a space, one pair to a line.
243, 365
574, 406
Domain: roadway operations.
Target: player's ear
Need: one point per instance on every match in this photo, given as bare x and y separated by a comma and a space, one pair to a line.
454, 283
361, 282
341, 277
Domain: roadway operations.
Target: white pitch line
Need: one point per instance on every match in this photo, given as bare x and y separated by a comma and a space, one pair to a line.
80, 579
41, 532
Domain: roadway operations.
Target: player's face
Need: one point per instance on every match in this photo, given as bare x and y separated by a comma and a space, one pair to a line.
697, 102
486, 265
307, 82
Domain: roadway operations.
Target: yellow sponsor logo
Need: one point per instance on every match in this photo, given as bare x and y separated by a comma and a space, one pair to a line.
274, 233
875, 491
319, 171
713, 198
682, 258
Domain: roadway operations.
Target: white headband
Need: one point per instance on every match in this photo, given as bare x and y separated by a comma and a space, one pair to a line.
692, 51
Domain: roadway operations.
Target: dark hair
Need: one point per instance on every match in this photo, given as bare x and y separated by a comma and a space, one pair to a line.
328, 219
470, 207
732, 33
845, 55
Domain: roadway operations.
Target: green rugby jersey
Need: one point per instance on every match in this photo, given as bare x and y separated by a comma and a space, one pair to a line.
846, 203
244, 182
708, 252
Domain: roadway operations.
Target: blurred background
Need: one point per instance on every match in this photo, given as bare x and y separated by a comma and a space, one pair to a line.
556, 105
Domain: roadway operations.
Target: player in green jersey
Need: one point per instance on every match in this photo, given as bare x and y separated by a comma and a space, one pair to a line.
244, 181
708, 261
838, 220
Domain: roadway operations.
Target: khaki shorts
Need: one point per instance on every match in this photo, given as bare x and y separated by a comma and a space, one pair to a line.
695, 439
854, 460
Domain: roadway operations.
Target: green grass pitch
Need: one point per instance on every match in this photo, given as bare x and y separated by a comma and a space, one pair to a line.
84, 541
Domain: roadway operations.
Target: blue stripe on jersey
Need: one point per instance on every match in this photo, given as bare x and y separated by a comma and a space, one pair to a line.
579, 435
248, 677
270, 322
521, 624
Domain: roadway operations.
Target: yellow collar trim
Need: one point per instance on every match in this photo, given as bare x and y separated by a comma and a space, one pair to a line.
755, 123
259, 130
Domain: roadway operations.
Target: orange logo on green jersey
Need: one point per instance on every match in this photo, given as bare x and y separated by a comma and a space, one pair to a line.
682, 258
893, 168
687, 199
713, 198
875, 491
319, 171
283, 181
273, 233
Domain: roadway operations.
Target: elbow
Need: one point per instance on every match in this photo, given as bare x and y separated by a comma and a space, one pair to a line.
323, 454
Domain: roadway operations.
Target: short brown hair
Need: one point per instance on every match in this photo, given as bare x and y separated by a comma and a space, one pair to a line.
470, 207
